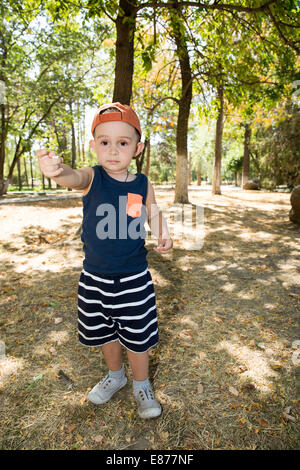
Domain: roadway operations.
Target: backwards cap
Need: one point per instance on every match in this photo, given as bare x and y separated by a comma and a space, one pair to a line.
125, 114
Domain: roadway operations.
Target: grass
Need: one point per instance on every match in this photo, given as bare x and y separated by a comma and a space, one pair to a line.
223, 369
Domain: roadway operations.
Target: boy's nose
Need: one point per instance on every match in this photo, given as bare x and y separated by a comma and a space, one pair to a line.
113, 150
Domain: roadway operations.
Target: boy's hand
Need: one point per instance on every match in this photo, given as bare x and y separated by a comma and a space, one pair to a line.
164, 245
49, 163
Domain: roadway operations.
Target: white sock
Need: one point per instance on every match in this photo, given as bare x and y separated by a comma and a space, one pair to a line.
117, 374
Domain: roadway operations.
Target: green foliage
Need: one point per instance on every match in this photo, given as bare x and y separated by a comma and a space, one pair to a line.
57, 65
277, 146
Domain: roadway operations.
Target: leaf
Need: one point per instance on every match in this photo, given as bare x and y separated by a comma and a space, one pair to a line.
296, 358
98, 438
248, 387
288, 417
64, 378
233, 391
71, 428
200, 389
276, 366
262, 422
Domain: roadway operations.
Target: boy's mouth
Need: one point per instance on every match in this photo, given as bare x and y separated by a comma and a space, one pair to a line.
113, 161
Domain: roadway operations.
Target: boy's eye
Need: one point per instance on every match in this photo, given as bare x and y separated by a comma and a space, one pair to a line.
124, 143
104, 142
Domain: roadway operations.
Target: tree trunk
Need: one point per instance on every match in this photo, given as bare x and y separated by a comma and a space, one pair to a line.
31, 171
125, 26
3, 183
246, 159
199, 173
25, 171
19, 175
181, 187
73, 162
78, 134
216, 183
148, 156
189, 168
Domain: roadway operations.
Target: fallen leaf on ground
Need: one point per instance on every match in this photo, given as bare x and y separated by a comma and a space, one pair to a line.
71, 428
248, 387
296, 358
64, 378
288, 417
233, 391
262, 422
276, 366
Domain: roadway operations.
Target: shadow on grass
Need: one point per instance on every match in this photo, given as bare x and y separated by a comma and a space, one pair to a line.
222, 369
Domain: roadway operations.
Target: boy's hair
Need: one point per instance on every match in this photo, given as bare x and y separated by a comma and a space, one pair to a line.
131, 118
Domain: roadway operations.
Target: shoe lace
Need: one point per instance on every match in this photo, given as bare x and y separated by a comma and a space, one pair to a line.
105, 382
148, 392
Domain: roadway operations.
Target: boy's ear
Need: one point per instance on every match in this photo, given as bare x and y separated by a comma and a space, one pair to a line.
139, 148
92, 144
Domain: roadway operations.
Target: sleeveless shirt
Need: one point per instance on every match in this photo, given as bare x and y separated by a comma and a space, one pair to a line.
113, 233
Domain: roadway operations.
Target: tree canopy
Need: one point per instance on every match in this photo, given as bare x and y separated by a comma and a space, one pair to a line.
232, 65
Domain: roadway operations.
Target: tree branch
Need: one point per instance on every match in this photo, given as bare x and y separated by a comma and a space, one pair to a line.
205, 6
291, 44
160, 101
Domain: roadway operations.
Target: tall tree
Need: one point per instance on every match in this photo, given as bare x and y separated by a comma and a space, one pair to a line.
179, 34
46, 66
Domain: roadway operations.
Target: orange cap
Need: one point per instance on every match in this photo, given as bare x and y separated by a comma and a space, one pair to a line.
126, 114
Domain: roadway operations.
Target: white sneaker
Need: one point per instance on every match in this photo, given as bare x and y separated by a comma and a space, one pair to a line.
148, 406
103, 391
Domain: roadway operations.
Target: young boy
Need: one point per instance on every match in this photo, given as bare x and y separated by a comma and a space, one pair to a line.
116, 298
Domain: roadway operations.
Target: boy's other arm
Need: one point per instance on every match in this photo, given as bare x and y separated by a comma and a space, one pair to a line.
157, 222
53, 167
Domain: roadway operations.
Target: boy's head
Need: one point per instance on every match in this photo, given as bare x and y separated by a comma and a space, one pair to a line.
112, 112
117, 135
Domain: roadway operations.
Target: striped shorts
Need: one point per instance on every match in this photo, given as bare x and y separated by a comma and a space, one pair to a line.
117, 308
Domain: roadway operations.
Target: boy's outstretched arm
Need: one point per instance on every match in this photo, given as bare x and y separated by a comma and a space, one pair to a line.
157, 222
53, 167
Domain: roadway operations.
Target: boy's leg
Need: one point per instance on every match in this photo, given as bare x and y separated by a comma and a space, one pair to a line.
148, 406
113, 355
139, 363
116, 377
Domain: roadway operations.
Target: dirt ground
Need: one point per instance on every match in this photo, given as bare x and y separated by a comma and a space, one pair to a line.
226, 367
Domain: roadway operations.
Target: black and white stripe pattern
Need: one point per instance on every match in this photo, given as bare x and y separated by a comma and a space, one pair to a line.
112, 308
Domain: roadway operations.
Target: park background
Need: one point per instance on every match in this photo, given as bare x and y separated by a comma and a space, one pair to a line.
216, 86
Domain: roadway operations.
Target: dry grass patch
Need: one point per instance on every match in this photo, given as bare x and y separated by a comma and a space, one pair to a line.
223, 369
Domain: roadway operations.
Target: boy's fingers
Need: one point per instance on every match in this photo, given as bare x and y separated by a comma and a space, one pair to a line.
42, 153
52, 154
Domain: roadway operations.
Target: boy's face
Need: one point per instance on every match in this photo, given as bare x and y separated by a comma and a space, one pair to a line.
115, 143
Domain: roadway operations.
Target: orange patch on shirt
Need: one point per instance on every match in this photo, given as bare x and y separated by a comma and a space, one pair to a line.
134, 204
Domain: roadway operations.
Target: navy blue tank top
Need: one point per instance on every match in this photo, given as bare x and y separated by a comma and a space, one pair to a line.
113, 232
